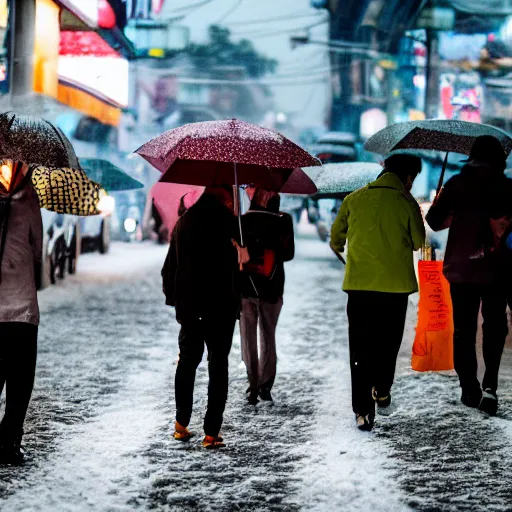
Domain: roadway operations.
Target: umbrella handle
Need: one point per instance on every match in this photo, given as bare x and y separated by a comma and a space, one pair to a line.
441, 177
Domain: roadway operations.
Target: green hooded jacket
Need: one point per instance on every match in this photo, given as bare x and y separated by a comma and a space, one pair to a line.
383, 225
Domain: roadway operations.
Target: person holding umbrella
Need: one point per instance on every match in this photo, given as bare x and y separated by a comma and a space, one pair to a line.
38, 169
477, 206
21, 236
383, 225
201, 280
230, 152
269, 237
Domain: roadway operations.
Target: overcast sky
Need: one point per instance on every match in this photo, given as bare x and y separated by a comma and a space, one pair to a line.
269, 25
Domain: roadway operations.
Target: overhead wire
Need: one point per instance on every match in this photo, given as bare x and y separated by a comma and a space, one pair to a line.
229, 12
265, 33
277, 18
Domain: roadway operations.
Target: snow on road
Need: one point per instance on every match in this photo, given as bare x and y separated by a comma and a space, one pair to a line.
100, 422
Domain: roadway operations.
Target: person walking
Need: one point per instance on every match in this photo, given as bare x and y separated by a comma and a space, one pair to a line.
21, 235
471, 204
382, 226
269, 237
200, 279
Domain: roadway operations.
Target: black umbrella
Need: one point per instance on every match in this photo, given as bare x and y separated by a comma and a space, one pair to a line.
60, 183
438, 135
35, 141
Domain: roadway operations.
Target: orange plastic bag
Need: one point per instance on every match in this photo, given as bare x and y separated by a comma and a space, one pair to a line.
433, 345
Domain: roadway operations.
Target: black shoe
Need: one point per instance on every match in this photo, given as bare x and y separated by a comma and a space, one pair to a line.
252, 396
265, 395
489, 402
365, 422
471, 398
382, 400
12, 453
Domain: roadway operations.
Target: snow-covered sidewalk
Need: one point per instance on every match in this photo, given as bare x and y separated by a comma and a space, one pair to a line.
100, 423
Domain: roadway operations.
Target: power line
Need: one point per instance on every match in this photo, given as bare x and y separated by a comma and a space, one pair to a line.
277, 18
311, 78
262, 33
230, 11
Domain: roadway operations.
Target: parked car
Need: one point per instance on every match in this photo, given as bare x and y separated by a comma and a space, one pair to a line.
130, 208
61, 246
336, 147
95, 230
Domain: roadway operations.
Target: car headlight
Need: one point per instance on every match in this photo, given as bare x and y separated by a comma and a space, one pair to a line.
130, 225
106, 204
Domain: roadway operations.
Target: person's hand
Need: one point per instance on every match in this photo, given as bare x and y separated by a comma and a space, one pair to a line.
243, 254
338, 255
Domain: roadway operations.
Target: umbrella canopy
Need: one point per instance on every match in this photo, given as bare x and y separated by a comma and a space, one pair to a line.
167, 197
111, 177
339, 180
438, 135
65, 190
35, 141
204, 153
55, 171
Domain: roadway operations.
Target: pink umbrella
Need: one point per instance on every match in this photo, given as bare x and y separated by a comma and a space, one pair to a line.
230, 152
167, 199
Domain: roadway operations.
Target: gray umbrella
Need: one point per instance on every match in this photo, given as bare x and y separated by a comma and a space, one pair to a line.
438, 135
35, 141
339, 180
111, 177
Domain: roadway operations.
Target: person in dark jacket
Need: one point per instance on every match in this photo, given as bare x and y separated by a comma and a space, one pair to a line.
269, 237
475, 266
200, 279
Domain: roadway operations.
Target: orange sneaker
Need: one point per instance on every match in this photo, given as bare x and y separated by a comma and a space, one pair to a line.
213, 442
181, 433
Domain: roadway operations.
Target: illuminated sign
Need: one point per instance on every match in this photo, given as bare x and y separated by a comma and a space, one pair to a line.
104, 77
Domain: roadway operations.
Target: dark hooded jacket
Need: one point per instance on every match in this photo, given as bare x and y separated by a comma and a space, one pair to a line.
201, 268
466, 204
267, 230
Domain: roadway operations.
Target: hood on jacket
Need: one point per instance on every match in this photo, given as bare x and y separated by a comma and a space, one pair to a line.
388, 180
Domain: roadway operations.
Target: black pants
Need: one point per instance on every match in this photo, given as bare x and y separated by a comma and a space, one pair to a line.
376, 327
466, 299
18, 354
214, 327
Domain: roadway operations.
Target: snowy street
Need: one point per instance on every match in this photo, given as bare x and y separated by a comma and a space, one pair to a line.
99, 427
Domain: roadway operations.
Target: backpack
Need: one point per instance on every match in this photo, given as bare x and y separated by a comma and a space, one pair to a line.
263, 263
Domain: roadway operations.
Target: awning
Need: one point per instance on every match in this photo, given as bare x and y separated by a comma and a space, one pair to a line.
487, 8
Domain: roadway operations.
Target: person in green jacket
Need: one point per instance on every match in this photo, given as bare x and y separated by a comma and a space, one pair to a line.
382, 226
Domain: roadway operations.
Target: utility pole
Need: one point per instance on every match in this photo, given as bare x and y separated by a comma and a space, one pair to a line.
432, 75
22, 19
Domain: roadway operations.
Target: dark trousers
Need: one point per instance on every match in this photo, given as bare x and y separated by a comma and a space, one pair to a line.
466, 299
376, 327
18, 354
213, 327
